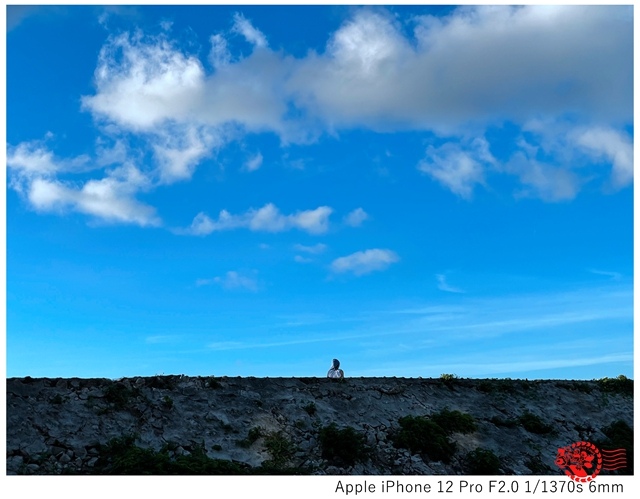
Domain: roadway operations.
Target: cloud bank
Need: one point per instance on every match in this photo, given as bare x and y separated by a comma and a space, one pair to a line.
562, 74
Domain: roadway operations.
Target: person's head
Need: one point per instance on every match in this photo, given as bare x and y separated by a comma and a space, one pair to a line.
336, 363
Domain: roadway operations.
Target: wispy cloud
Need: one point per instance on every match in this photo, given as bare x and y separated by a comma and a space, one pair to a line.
266, 219
614, 276
314, 250
356, 217
253, 163
443, 285
364, 262
232, 280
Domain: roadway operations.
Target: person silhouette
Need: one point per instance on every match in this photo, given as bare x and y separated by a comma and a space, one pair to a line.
335, 371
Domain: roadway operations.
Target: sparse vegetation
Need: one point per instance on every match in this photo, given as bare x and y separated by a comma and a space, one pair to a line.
534, 424
310, 408
620, 384
429, 434
122, 457
423, 435
454, 421
449, 379
118, 396
343, 446
482, 462
280, 448
254, 434
167, 402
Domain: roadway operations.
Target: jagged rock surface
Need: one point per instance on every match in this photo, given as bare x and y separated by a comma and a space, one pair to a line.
58, 425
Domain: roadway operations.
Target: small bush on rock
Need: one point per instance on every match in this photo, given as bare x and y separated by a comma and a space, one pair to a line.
423, 435
534, 424
454, 421
482, 462
345, 446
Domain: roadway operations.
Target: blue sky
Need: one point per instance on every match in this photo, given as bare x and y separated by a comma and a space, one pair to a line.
254, 191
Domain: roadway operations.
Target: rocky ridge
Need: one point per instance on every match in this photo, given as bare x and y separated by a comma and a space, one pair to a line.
62, 425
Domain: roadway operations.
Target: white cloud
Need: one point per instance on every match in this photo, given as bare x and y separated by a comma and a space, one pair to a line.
179, 153
33, 172
531, 60
525, 61
265, 219
313, 250
29, 159
611, 145
233, 280
253, 163
458, 168
356, 217
363, 262
243, 26
302, 259
110, 199
545, 181
142, 84
443, 285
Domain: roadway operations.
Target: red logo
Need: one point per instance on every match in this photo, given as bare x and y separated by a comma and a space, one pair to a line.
582, 461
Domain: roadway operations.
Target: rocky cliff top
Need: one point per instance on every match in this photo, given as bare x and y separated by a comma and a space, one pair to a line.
307, 425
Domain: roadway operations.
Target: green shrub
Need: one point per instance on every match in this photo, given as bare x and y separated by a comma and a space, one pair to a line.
254, 434
621, 384
280, 448
454, 421
122, 457
449, 379
119, 396
423, 435
534, 424
345, 446
167, 402
310, 408
482, 462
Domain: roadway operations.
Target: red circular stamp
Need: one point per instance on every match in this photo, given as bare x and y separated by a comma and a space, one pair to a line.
581, 461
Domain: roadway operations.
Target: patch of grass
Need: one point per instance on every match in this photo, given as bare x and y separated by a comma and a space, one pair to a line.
167, 402
254, 434
534, 424
280, 448
449, 379
122, 457
580, 386
118, 396
621, 384
454, 421
310, 408
344, 446
482, 462
423, 435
